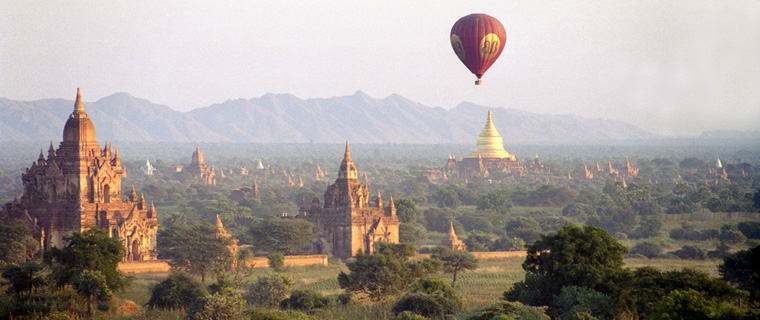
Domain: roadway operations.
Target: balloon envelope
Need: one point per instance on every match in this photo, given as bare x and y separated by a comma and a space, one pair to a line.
478, 40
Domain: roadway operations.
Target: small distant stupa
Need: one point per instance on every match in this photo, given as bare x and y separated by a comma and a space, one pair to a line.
453, 242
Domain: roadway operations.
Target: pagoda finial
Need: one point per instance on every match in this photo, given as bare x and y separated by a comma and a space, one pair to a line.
392, 205
452, 233
42, 156
51, 150
347, 155
219, 225
79, 105
379, 200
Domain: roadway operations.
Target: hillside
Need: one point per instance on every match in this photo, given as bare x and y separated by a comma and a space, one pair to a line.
281, 118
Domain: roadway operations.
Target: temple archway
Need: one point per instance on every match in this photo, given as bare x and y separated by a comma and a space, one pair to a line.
136, 250
107, 194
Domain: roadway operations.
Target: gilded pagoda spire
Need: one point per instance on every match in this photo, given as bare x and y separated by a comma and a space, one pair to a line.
490, 144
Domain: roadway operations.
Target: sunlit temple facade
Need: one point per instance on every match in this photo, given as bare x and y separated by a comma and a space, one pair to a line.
348, 223
78, 186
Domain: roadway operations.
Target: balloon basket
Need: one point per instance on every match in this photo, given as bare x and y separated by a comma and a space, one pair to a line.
478, 82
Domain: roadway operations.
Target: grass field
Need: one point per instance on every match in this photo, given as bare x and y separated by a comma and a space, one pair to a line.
477, 288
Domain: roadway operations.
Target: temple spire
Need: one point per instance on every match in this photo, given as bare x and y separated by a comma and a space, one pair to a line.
347, 155
79, 105
347, 169
452, 233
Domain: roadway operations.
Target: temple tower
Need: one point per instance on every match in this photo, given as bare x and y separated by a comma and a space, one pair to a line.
78, 187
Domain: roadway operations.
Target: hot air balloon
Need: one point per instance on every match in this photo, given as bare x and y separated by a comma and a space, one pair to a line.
478, 40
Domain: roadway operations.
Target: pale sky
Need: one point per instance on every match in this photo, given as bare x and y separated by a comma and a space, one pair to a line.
670, 67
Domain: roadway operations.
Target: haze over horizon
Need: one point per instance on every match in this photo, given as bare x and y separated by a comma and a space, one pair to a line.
673, 68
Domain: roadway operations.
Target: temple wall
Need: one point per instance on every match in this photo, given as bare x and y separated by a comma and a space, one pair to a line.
485, 255
295, 261
143, 266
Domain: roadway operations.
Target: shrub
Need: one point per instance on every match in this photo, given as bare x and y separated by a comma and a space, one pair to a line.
347, 298
691, 253
429, 297
411, 233
259, 314
306, 300
507, 243
574, 300
730, 234
406, 315
750, 229
218, 306
647, 249
276, 261
525, 228
510, 310
178, 291
269, 290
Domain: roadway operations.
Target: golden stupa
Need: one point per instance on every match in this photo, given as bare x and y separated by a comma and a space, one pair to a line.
490, 143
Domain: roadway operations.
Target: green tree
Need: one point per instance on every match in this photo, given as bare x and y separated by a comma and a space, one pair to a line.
505, 310
429, 297
647, 249
525, 228
549, 195
16, 243
306, 300
579, 211
692, 304
574, 256
648, 227
648, 286
218, 306
196, 250
574, 300
386, 271
90, 250
406, 210
269, 290
454, 261
411, 233
92, 286
446, 198
178, 291
741, 269
438, 220
23, 279
286, 236
276, 261
496, 202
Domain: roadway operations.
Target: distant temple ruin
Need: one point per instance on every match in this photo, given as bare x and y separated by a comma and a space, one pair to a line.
198, 168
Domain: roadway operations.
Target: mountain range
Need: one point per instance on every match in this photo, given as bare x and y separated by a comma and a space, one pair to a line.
280, 118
